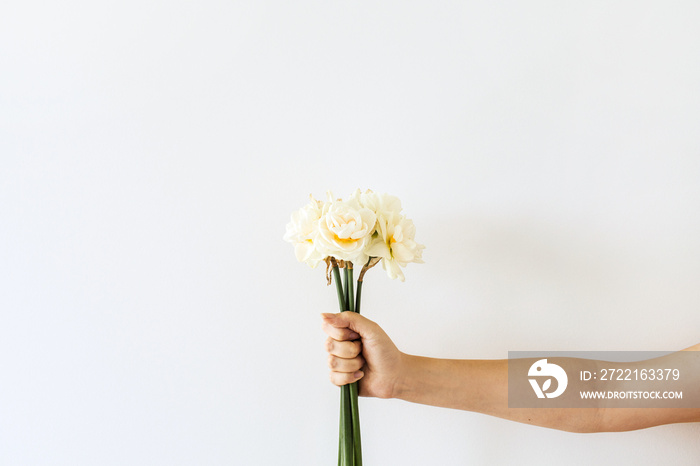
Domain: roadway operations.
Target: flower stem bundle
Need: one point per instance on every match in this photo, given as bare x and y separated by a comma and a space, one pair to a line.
366, 229
350, 448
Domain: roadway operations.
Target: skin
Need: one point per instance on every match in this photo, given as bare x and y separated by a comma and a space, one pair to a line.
360, 350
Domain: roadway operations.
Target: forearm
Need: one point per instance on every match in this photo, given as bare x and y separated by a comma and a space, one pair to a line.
482, 386
471, 385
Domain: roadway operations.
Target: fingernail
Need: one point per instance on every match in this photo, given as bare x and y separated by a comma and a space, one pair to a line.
358, 374
327, 315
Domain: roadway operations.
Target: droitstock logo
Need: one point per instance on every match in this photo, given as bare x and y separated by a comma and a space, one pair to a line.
546, 371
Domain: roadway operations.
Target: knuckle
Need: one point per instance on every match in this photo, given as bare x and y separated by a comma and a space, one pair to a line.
348, 351
336, 380
359, 362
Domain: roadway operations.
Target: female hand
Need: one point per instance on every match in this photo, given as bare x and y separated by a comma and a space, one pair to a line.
360, 350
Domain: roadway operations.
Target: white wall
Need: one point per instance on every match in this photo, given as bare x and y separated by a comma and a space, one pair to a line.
151, 153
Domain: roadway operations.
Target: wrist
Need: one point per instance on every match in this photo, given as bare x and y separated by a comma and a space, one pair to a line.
403, 382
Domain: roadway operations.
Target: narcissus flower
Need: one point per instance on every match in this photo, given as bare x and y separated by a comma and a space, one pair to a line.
344, 230
367, 225
302, 232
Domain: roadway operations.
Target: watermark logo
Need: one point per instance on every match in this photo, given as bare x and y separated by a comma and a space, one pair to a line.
619, 379
547, 371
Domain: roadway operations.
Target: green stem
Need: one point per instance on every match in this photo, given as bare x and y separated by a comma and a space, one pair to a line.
345, 447
340, 431
346, 434
346, 287
339, 288
354, 388
349, 291
355, 418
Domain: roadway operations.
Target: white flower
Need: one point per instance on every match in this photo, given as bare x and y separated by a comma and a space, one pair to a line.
345, 229
383, 205
367, 225
302, 232
394, 240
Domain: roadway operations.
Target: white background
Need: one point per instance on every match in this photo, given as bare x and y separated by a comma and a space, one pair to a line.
152, 152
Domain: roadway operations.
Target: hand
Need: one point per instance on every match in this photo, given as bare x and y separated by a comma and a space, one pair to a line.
360, 350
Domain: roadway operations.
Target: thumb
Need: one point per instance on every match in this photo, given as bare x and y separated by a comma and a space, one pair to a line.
354, 321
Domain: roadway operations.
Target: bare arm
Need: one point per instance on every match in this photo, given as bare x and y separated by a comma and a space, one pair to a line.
472, 385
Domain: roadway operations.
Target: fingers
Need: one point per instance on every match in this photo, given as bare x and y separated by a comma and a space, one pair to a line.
339, 333
344, 361
345, 366
343, 349
348, 326
344, 331
344, 378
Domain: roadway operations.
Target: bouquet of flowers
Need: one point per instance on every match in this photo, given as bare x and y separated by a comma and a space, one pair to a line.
366, 229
